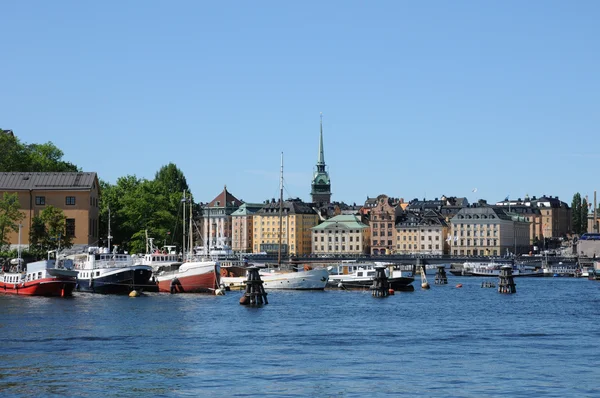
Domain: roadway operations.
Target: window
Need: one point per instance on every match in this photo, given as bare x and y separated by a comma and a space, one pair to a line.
70, 227
70, 200
40, 200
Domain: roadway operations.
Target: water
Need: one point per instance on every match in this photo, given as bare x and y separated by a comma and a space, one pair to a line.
469, 342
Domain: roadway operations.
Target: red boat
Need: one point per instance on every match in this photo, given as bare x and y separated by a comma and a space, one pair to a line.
40, 278
190, 277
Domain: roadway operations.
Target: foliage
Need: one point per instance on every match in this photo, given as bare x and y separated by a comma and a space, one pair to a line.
17, 156
576, 213
140, 208
584, 217
48, 231
10, 216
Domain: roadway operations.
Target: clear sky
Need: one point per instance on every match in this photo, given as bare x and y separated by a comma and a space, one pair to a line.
419, 99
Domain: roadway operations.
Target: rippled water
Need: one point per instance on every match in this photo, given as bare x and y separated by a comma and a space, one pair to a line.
542, 341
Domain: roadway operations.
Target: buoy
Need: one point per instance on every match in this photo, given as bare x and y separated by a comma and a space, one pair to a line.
244, 300
459, 285
425, 285
391, 292
134, 293
219, 292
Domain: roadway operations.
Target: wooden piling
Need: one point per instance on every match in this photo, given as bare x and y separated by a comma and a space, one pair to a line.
381, 285
506, 282
255, 294
440, 276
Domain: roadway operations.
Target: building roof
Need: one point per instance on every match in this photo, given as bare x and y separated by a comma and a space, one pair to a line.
481, 212
248, 209
225, 199
290, 206
20, 181
345, 220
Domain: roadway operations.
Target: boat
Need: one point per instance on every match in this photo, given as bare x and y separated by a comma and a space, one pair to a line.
156, 258
306, 278
50, 277
492, 269
354, 275
194, 275
100, 271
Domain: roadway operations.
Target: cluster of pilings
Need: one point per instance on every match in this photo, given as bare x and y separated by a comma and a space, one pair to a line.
440, 276
255, 292
488, 284
506, 283
381, 285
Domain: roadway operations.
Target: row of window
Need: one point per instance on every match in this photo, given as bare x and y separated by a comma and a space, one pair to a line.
375, 243
351, 238
337, 248
415, 246
69, 200
437, 237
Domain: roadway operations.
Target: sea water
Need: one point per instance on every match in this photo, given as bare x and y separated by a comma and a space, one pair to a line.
446, 341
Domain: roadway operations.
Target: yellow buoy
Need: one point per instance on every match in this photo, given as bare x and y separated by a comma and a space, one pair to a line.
134, 293
425, 285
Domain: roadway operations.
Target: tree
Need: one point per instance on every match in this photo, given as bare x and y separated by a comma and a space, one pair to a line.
17, 156
10, 216
576, 213
48, 230
584, 217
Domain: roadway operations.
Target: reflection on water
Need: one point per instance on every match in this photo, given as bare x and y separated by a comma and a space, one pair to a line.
439, 342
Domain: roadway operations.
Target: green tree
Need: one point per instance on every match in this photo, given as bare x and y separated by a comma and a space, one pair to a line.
10, 216
576, 213
584, 216
17, 156
48, 230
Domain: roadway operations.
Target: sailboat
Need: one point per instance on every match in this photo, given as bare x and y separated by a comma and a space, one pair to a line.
304, 279
193, 275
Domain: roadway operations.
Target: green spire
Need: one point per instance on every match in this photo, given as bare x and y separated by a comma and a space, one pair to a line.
321, 160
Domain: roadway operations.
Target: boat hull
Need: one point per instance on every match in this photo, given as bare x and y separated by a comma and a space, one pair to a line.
403, 283
52, 287
198, 278
315, 279
120, 281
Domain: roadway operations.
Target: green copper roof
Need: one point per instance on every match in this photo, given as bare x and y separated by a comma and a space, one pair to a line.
345, 220
248, 209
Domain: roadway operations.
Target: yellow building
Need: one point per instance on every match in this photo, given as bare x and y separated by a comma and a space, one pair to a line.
291, 223
76, 194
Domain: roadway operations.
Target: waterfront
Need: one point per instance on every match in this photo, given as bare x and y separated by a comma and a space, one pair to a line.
441, 342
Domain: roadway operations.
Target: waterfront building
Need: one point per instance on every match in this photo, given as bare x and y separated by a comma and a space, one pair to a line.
321, 184
555, 214
290, 222
422, 233
342, 235
216, 214
75, 193
242, 226
488, 231
382, 221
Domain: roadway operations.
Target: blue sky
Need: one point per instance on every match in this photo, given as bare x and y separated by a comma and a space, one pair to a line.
419, 99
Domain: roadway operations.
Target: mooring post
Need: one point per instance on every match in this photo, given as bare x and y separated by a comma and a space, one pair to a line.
255, 292
506, 282
381, 285
440, 276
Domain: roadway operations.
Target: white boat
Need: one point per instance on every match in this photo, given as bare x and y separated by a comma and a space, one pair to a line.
156, 258
492, 269
234, 278
353, 275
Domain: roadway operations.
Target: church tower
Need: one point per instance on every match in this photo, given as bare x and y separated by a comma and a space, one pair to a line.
321, 185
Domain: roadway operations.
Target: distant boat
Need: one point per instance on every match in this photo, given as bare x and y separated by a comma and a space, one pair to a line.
48, 277
492, 269
234, 278
352, 275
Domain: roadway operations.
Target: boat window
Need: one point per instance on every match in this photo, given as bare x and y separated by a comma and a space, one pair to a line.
359, 273
39, 275
97, 273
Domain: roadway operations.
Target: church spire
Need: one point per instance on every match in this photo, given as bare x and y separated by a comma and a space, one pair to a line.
321, 160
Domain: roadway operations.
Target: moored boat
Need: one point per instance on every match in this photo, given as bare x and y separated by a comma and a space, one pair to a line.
234, 278
492, 269
50, 277
352, 275
110, 273
189, 277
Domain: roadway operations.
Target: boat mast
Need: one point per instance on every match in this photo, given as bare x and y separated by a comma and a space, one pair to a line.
191, 237
109, 237
183, 248
280, 211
